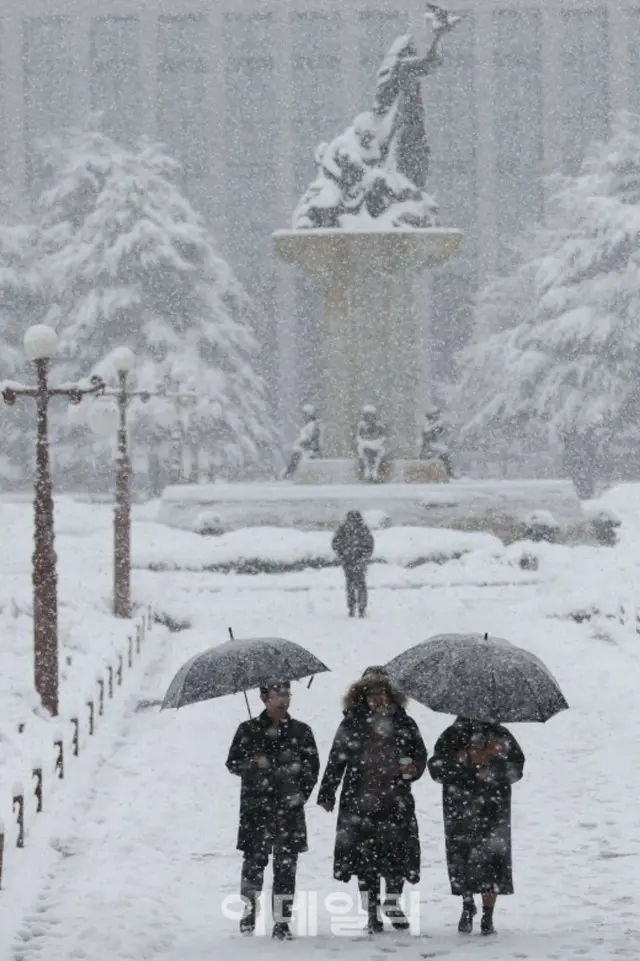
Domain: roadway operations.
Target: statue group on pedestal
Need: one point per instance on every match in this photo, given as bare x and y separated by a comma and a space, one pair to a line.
376, 170
371, 448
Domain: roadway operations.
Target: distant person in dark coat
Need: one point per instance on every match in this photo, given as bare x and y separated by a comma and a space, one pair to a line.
377, 754
353, 544
477, 763
277, 759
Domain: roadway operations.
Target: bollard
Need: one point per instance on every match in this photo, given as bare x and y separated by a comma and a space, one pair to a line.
149, 617
110, 680
21, 727
130, 652
138, 638
100, 696
75, 743
92, 712
18, 802
59, 743
119, 671
37, 774
1, 849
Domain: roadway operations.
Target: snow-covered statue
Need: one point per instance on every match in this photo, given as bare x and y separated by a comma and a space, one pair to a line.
371, 445
376, 171
434, 439
308, 442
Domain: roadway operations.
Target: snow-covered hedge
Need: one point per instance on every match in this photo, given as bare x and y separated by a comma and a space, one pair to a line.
277, 549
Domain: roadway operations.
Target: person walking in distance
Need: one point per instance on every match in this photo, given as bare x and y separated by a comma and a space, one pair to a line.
277, 758
353, 545
376, 755
477, 762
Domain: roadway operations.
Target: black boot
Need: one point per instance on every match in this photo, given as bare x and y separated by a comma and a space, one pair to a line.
371, 903
486, 922
392, 909
248, 919
469, 911
281, 931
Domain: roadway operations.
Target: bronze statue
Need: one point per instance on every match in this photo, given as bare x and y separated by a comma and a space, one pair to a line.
377, 169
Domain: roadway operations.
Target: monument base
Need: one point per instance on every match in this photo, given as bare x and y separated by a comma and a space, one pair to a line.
369, 334
344, 470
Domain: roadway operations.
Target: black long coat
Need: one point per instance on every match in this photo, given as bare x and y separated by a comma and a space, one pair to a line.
353, 542
400, 835
477, 813
272, 799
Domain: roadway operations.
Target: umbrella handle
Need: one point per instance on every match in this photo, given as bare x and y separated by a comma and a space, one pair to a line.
310, 681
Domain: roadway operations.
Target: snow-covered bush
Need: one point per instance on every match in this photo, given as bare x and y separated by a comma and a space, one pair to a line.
209, 524
604, 523
541, 526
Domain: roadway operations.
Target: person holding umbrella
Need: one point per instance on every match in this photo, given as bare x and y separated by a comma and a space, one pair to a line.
377, 754
277, 758
485, 682
353, 544
477, 762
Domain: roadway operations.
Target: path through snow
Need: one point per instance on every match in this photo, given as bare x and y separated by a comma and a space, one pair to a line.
146, 867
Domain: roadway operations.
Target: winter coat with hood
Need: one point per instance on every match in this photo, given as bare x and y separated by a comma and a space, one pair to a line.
353, 542
349, 764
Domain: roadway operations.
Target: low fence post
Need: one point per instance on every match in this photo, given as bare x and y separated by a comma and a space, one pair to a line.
38, 789
18, 803
75, 743
59, 744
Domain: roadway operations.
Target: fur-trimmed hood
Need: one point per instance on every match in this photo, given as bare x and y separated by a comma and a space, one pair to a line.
355, 697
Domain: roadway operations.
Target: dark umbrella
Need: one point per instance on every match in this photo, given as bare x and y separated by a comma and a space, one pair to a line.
240, 665
481, 677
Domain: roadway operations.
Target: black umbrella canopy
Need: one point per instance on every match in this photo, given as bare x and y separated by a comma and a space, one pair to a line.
240, 665
477, 676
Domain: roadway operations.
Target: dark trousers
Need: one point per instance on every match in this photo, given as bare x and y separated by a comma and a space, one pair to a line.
356, 581
370, 888
285, 864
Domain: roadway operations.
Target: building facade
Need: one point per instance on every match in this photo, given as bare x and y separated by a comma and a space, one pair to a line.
242, 91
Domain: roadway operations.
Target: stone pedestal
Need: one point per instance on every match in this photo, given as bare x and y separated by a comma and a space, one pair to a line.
369, 333
338, 470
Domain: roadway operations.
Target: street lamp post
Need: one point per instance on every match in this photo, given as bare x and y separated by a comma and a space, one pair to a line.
40, 344
106, 419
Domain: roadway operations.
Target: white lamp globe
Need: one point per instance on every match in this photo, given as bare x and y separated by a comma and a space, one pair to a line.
40, 342
123, 360
103, 418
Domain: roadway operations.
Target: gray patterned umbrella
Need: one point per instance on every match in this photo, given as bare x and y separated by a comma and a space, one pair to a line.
477, 676
240, 665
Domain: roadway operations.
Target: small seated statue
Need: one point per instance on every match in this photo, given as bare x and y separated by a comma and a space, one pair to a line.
371, 446
433, 445
307, 445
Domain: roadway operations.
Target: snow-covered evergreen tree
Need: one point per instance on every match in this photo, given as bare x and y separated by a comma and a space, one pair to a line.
21, 304
131, 263
571, 357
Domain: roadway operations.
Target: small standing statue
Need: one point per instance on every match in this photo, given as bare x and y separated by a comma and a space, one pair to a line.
376, 170
307, 445
371, 445
433, 446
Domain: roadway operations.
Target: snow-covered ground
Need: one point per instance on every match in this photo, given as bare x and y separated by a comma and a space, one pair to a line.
96, 673
142, 867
